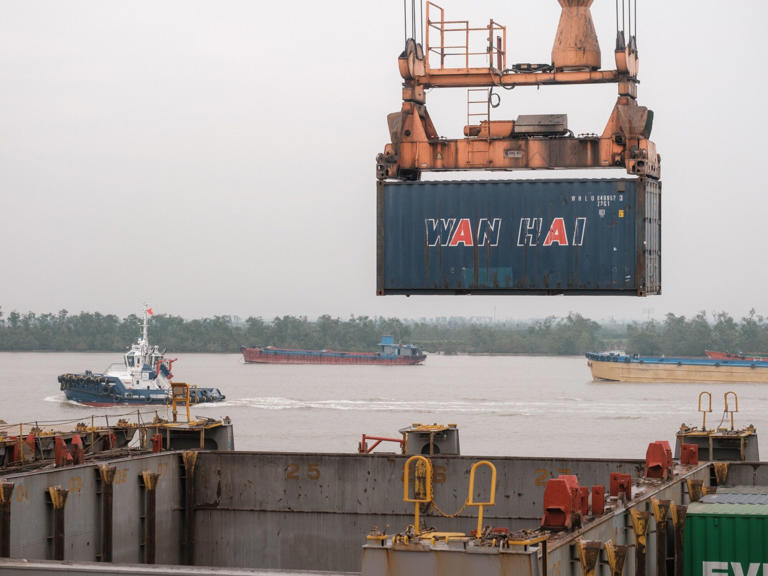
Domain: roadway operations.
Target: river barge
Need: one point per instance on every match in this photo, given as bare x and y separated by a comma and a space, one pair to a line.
633, 368
389, 354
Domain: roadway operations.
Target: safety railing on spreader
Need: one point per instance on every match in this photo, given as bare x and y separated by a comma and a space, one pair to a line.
455, 37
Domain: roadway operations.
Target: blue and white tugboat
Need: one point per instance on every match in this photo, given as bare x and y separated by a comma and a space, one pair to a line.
144, 377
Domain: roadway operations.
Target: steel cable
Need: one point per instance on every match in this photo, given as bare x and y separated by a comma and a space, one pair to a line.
421, 10
405, 22
634, 35
623, 17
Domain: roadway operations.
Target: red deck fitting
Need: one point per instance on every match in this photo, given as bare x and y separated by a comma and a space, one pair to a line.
598, 500
584, 500
562, 503
76, 447
658, 460
621, 483
63, 456
689, 454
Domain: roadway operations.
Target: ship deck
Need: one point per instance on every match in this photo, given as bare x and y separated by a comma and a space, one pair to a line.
300, 511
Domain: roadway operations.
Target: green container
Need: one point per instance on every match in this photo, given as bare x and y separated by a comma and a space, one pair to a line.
727, 539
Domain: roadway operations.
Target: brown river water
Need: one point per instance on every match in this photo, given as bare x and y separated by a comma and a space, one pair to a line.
503, 405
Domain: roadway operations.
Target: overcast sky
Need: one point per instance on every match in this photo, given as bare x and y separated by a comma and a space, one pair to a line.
218, 157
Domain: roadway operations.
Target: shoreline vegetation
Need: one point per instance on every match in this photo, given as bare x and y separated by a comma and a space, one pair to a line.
552, 336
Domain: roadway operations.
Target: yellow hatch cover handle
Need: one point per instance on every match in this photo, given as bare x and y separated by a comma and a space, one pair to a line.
471, 498
705, 410
422, 486
728, 409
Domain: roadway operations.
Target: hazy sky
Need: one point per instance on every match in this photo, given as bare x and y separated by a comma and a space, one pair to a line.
218, 157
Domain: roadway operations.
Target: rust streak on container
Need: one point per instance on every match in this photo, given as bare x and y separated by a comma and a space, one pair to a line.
661, 514
190, 460
150, 515
107, 475
6, 491
59, 500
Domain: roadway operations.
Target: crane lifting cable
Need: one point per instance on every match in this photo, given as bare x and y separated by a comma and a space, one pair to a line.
628, 24
416, 33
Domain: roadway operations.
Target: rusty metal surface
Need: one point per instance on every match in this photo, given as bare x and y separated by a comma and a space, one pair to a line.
747, 474
107, 476
372, 484
394, 562
6, 493
188, 545
58, 497
289, 510
301, 511
576, 46
37, 449
31, 513
416, 146
44, 568
149, 483
661, 515
396, 557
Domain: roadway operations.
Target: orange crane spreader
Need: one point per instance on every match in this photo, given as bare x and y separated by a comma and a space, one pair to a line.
530, 141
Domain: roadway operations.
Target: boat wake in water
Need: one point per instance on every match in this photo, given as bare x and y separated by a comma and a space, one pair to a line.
504, 408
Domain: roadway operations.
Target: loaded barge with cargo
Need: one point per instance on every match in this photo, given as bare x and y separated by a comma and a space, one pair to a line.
390, 354
625, 368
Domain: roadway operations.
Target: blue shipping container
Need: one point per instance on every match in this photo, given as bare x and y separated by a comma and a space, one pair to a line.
599, 236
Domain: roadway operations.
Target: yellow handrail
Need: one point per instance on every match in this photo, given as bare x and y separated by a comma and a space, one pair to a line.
422, 479
471, 498
704, 412
736, 401
180, 394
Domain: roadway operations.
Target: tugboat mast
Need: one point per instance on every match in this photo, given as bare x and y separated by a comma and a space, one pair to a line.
145, 326
144, 332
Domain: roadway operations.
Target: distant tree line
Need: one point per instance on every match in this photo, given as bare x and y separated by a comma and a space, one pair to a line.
106, 332
573, 334
681, 336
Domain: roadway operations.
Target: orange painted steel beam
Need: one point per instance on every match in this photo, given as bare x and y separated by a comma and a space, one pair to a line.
416, 146
517, 154
485, 77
